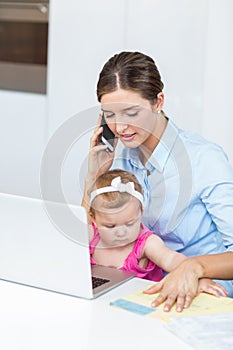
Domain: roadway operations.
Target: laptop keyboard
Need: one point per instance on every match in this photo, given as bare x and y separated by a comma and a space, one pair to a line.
97, 281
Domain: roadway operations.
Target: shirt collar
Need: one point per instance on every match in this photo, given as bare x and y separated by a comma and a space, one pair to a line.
162, 151
164, 148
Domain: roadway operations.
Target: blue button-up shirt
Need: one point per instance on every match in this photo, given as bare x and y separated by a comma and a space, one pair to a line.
188, 192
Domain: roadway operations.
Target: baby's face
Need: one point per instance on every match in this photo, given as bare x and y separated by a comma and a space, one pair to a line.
119, 226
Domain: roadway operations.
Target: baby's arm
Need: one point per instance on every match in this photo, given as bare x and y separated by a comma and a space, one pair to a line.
156, 251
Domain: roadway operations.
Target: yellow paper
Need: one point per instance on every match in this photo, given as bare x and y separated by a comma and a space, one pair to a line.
203, 304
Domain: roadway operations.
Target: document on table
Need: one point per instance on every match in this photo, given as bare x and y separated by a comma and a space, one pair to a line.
204, 304
206, 332
206, 325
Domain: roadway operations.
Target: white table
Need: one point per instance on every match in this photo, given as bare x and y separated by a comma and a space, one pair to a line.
32, 319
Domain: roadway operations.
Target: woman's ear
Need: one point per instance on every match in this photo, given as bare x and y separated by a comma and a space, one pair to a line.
159, 102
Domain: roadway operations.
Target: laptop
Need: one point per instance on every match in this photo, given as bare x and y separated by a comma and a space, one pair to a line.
44, 244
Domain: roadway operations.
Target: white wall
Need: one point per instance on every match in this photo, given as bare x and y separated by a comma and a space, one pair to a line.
191, 42
22, 141
217, 110
82, 35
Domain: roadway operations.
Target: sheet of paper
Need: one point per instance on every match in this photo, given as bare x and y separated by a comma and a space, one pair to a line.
204, 304
206, 325
206, 332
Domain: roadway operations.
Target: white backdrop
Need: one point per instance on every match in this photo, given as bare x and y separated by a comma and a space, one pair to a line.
191, 42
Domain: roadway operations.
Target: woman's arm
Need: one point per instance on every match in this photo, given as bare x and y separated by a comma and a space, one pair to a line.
218, 266
181, 285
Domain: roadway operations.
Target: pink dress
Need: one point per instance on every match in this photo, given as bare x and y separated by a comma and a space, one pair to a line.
151, 272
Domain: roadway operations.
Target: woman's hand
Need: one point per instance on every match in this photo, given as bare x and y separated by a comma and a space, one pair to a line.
181, 285
173, 289
100, 159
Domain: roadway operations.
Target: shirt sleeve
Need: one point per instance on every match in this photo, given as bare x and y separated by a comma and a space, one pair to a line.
216, 181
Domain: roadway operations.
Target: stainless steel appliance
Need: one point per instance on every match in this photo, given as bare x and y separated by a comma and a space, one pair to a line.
23, 45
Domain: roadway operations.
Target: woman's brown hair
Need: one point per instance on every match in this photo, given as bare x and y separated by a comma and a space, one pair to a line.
130, 71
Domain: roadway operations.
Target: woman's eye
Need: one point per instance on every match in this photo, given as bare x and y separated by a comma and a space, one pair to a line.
109, 115
109, 226
132, 114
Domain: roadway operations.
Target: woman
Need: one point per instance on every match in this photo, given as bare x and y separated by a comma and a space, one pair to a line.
187, 181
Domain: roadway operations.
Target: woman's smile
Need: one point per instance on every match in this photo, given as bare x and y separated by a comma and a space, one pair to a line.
127, 137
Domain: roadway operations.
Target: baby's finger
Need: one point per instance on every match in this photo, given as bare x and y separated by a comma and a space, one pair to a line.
219, 290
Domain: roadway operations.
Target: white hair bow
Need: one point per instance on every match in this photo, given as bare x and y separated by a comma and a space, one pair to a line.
122, 187
118, 186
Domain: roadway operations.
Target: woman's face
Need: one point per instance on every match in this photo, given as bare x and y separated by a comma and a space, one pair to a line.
131, 118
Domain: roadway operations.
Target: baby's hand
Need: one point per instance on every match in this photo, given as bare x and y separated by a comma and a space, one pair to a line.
209, 286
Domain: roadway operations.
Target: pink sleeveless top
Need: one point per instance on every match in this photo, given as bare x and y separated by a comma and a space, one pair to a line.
151, 272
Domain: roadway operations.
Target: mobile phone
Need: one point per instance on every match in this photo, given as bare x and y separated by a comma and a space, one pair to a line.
107, 137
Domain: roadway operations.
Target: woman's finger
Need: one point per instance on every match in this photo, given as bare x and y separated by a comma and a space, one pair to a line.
153, 289
180, 303
94, 141
169, 302
188, 300
159, 300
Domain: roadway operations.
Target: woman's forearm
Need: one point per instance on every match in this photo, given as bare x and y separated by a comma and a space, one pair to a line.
217, 266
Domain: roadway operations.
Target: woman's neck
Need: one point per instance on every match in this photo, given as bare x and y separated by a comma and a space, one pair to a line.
148, 147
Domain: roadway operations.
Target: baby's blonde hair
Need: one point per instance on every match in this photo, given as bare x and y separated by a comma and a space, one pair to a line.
113, 199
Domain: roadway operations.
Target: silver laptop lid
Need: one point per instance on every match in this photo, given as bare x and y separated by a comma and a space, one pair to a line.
33, 251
